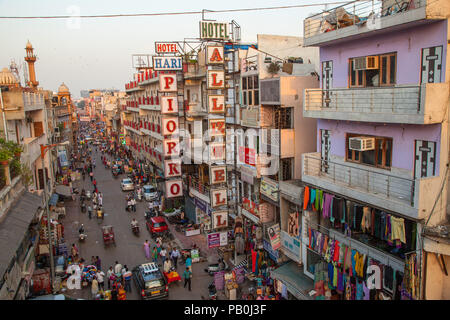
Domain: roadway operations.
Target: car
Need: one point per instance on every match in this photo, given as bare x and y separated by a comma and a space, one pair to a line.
150, 192
150, 281
127, 185
157, 226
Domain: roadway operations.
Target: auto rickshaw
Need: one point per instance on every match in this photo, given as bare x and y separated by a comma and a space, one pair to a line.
108, 235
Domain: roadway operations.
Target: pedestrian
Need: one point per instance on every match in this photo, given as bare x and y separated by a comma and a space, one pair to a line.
110, 276
74, 252
101, 279
94, 287
90, 211
100, 199
98, 263
175, 255
133, 204
187, 275
155, 254
93, 261
167, 265
91, 175
94, 182
118, 269
189, 263
127, 280
147, 249
163, 254
129, 205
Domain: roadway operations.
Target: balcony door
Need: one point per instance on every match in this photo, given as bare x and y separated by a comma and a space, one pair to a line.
327, 82
425, 159
431, 64
325, 143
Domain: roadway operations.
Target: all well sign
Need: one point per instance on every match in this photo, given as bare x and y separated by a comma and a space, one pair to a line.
214, 55
217, 127
215, 79
169, 104
220, 219
172, 168
170, 126
168, 83
218, 174
174, 188
216, 103
218, 197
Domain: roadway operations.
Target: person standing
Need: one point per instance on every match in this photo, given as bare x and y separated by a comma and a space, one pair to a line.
155, 254
118, 269
175, 255
110, 276
91, 175
189, 263
74, 252
100, 199
147, 249
163, 254
94, 288
127, 280
101, 279
98, 263
133, 204
90, 212
187, 275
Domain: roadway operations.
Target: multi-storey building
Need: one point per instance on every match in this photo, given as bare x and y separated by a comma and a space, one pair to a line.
382, 147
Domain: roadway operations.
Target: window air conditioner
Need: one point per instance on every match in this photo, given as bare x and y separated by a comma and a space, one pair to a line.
361, 143
359, 63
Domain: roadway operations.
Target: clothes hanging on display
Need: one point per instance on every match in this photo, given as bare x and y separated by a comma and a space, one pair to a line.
306, 198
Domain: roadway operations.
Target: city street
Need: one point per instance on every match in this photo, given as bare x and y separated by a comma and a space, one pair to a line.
129, 248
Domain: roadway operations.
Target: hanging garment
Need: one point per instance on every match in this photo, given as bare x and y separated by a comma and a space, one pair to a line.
342, 250
359, 290
330, 273
327, 205
366, 292
254, 261
353, 253
357, 219
313, 198
348, 288
343, 211
335, 276
365, 223
350, 211
321, 199
336, 251
340, 281
317, 200
306, 198
239, 244
398, 229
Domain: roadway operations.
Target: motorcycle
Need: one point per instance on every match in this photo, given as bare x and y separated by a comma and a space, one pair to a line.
82, 237
216, 267
88, 195
212, 292
83, 207
139, 195
135, 230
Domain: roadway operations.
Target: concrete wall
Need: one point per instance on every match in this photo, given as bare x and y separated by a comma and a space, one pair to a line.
407, 43
437, 283
403, 137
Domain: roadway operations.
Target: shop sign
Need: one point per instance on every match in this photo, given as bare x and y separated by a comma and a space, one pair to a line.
217, 127
250, 206
174, 188
168, 83
167, 63
291, 246
217, 239
274, 255
216, 103
220, 219
166, 47
195, 255
169, 104
172, 168
215, 79
274, 235
218, 197
218, 174
269, 188
214, 55
170, 126
247, 156
216, 152
202, 205
171, 147
214, 30
62, 156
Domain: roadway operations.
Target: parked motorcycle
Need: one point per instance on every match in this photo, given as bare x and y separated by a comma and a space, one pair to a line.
82, 237
135, 230
212, 292
221, 265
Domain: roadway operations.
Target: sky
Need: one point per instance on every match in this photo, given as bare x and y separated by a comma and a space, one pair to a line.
97, 53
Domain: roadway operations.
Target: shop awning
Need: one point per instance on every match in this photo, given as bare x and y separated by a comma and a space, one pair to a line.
63, 190
15, 225
297, 283
53, 200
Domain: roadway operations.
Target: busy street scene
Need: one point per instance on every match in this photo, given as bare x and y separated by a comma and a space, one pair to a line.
293, 151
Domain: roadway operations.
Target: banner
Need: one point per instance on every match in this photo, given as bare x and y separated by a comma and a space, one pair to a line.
274, 235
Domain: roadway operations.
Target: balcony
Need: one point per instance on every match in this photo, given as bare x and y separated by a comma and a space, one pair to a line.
150, 103
32, 148
149, 77
198, 189
194, 109
360, 19
132, 86
424, 104
33, 101
62, 111
292, 190
250, 118
374, 186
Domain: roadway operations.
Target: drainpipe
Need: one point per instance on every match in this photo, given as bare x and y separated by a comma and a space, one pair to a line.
3, 115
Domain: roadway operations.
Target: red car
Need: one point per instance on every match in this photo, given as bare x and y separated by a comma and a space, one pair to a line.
157, 226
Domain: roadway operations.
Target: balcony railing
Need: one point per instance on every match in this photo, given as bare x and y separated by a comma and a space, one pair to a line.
33, 101
370, 181
356, 13
196, 185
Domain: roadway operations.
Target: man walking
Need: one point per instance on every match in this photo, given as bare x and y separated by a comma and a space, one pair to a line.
175, 255
133, 204
100, 278
187, 275
127, 280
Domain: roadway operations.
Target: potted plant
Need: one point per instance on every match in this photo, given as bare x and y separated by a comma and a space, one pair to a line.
273, 68
5, 156
15, 148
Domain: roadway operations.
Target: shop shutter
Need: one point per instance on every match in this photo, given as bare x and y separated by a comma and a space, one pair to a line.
38, 129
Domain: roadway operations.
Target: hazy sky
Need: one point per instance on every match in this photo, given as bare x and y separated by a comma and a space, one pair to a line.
98, 53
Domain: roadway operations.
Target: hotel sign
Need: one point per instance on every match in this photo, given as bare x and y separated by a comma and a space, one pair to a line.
218, 197
218, 174
166, 47
174, 188
167, 63
220, 219
216, 103
169, 104
214, 30
214, 55
168, 82
215, 79
172, 168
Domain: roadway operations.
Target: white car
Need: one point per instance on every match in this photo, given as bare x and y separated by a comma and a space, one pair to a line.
150, 193
127, 185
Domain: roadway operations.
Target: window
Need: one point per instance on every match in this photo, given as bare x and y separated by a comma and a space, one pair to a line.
380, 157
373, 71
250, 90
286, 169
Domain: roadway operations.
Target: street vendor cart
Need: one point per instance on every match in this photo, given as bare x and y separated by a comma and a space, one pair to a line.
172, 276
108, 235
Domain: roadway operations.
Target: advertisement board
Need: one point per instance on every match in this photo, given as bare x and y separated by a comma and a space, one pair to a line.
174, 188
214, 30
169, 104
214, 55
168, 83
274, 236
217, 239
167, 63
269, 188
166, 47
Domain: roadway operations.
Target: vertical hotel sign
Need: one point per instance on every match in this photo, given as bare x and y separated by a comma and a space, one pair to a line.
169, 122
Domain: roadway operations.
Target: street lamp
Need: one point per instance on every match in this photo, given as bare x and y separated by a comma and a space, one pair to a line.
50, 245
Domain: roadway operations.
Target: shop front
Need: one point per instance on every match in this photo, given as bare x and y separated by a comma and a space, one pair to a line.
356, 252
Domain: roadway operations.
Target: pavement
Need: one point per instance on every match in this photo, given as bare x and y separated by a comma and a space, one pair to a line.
129, 248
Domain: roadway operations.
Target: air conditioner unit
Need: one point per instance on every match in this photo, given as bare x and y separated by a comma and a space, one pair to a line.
372, 62
361, 143
359, 63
